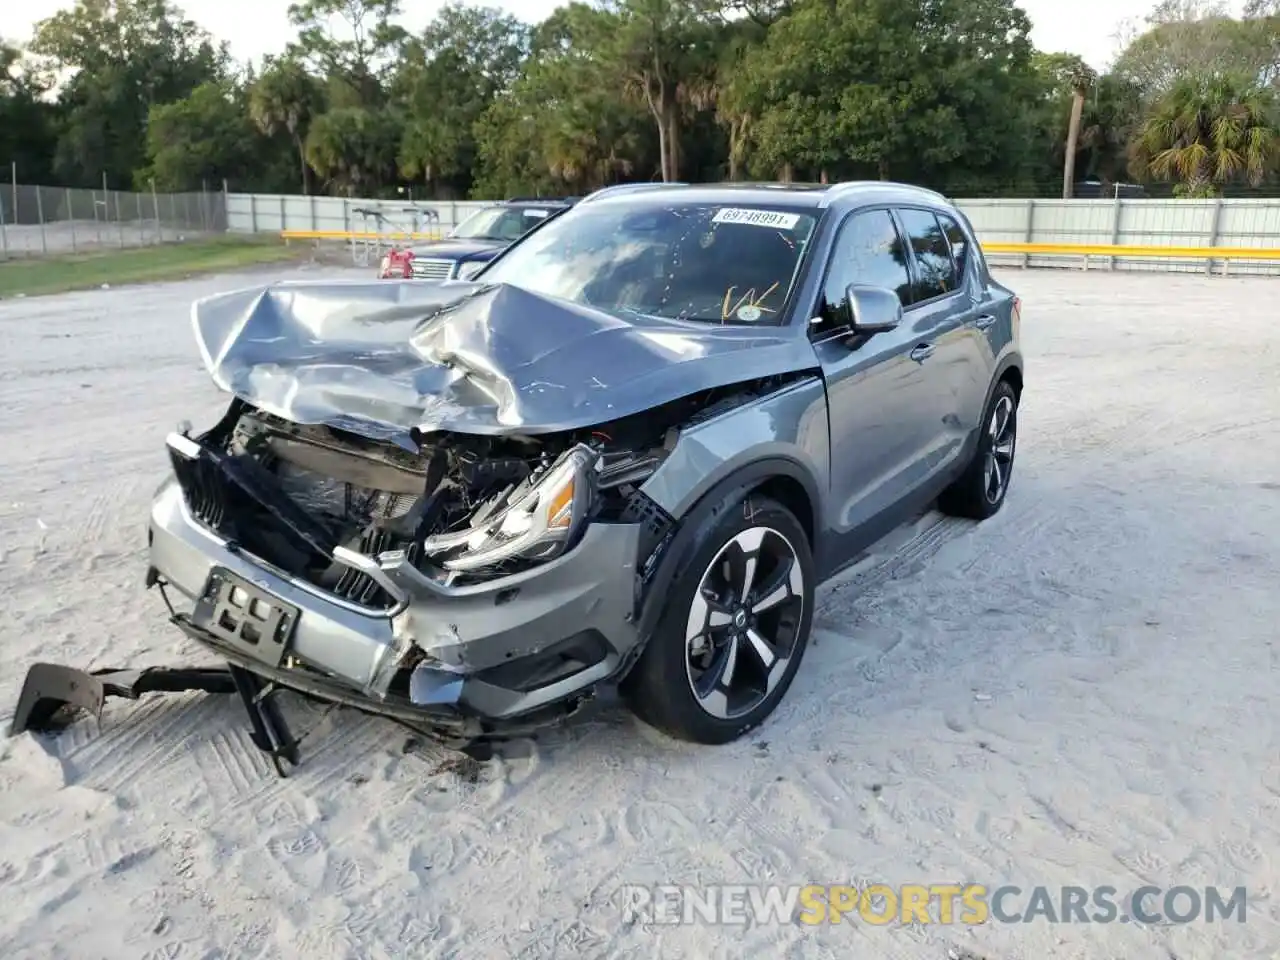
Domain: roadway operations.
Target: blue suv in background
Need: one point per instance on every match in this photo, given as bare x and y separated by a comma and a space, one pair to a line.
474, 242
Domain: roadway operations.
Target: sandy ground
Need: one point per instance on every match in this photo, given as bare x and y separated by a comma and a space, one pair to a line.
1079, 692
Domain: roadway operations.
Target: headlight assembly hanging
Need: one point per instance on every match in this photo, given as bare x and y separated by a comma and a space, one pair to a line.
539, 525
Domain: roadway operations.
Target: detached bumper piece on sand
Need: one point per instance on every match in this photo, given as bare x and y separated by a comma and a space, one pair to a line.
53, 696
53, 693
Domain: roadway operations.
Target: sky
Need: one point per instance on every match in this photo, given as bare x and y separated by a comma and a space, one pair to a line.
254, 27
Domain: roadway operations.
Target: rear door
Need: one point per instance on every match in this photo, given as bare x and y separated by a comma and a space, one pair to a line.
879, 404
989, 318
943, 314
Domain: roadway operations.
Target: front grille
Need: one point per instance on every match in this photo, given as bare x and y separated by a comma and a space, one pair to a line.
203, 489
426, 268
346, 504
212, 501
361, 589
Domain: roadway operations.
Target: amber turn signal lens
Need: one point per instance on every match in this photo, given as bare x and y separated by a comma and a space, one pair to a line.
560, 509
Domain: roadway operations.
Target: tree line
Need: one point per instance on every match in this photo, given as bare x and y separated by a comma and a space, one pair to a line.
950, 94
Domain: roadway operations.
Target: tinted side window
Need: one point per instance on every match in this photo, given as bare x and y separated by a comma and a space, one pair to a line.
959, 244
933, 254
869, 250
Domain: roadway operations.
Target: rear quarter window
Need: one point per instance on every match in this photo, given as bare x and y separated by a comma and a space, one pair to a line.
973, 248
959, 243
938, 275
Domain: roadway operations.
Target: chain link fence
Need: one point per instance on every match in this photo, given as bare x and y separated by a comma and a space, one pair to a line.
37, 221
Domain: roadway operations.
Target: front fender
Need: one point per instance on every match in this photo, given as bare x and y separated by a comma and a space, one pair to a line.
716, 463
787, 429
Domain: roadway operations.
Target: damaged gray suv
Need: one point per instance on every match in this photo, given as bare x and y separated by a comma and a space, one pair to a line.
626, 452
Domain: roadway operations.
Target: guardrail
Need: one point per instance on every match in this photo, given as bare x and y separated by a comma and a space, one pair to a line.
1140, 252
1120, 250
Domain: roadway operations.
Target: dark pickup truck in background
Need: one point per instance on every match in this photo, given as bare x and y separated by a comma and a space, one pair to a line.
473, 243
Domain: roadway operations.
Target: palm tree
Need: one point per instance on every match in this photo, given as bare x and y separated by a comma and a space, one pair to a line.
1207, 131
726, 86
1110, 120
284, 99
1082, 80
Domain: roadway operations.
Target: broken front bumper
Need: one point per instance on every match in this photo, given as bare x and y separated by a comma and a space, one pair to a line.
490, 652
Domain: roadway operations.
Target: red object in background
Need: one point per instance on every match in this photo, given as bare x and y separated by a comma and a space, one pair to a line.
396, 265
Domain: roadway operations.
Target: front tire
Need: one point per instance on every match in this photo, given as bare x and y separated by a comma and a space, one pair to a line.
980, 491
734, 629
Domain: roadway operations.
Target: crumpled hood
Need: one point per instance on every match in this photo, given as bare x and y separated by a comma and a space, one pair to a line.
384, 359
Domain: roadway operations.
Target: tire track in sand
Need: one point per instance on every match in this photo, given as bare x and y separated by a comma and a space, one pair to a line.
887, 560
325, 762
231, 766
167, 731
129, 726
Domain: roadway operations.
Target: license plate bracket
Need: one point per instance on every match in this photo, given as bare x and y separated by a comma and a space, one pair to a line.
246, 617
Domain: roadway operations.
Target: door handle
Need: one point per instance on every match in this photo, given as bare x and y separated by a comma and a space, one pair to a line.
922, 352
984, 321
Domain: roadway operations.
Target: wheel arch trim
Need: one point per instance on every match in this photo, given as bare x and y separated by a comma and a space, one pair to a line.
726, 493
1010, 362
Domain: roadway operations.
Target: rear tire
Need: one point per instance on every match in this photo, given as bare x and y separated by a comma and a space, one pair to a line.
734, 629
980, 491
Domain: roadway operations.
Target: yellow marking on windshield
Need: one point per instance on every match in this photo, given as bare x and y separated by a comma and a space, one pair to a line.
749, 299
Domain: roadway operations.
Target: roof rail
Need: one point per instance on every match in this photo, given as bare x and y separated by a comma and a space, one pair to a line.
625, 188
540, 200
846, 185
836, 189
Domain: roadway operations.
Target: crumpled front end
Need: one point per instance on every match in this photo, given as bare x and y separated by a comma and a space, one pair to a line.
397, 360
483, 577
430, 495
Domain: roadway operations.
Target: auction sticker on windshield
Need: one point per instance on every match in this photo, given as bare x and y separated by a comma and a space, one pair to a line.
757, 218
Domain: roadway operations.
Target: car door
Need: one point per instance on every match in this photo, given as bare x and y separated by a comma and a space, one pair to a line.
942, 314
878, 404
988, 321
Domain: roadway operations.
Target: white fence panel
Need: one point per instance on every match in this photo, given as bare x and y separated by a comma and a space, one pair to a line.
1178, 223
269, 213
1170, 223
1250, 223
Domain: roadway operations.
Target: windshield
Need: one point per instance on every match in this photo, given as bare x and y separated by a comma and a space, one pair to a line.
706, 262
500, 223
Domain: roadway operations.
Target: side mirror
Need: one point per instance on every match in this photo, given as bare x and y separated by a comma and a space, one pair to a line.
873, 309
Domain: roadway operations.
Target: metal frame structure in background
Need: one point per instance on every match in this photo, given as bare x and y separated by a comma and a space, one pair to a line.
367, 244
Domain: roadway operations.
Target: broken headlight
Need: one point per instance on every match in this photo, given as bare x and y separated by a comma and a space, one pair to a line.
536, 525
